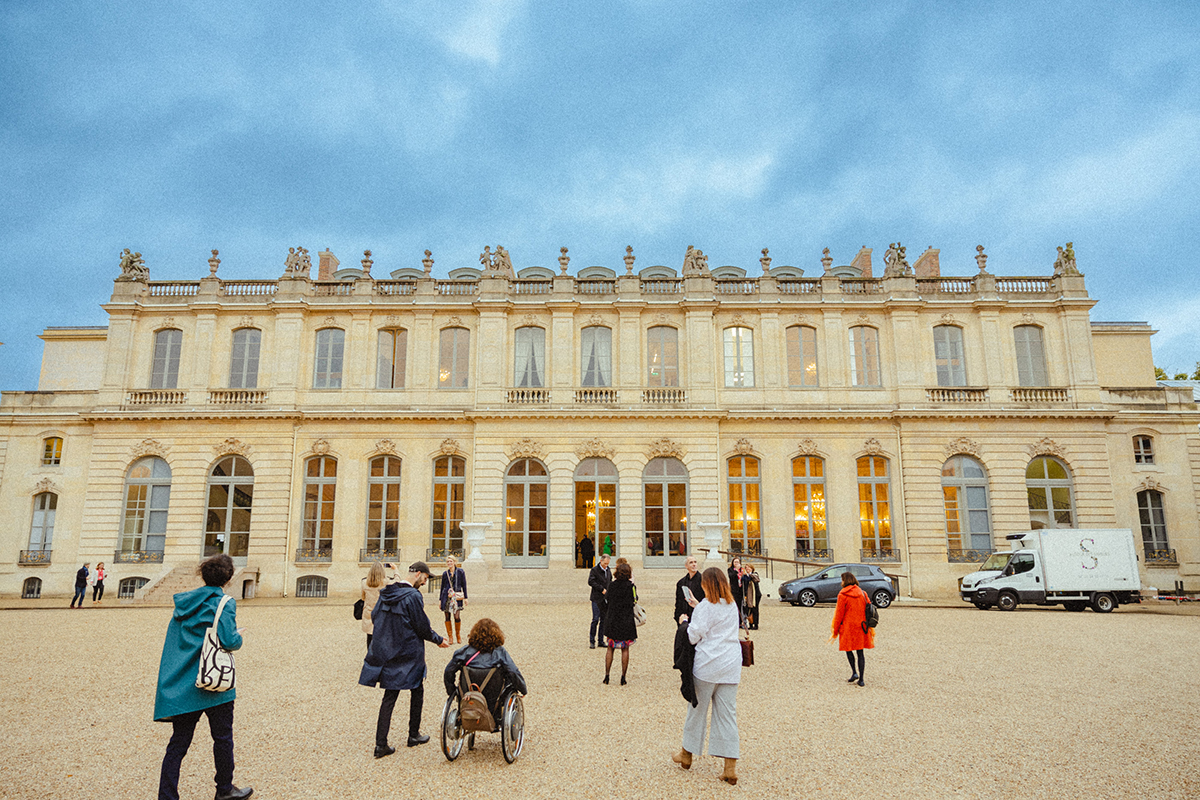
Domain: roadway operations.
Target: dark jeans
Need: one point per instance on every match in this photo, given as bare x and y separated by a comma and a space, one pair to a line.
415, 703
80, 593
220, 724
98, 591
599, 608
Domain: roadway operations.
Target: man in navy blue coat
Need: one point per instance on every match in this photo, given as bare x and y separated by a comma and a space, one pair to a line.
396, 658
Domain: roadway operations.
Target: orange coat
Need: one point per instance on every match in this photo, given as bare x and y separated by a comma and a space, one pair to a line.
848, 620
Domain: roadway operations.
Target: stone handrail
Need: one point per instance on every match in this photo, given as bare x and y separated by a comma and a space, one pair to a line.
230, 397
596, 286
861, 286
248, 288
457, 287
946, 286
395, 288
664, 394
1040, 395
174, 288
944, 394
595, 395
737, 286
333, 288
156, 397
532, 287
662, 286
528, 396
799, 287
1023, 285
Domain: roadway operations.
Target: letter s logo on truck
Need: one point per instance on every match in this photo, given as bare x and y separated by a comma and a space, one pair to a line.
1086, 552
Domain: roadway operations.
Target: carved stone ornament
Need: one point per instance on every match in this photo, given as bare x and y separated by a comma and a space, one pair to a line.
46, 485
246, 321
1045, 447
1148, 484
897, 264
808, 447
169, 322
526, 448
863, 319
1027, 319
214, 263
384, 447
595, 448
455, 322
329, 321
739, 319
872, 447
449, 447
529, 319
133, 267
320, 447
800, 319
948, 319
661, 318
665, 448
962, 445
297, 264
392, 320
148, 447
743, 447
232, 446
595, 319
629, 259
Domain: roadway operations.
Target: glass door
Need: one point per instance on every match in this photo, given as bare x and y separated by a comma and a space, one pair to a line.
526, 491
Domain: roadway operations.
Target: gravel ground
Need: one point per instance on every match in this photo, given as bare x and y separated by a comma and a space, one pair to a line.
958, 703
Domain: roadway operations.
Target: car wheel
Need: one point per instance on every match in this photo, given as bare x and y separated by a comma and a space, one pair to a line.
807, 598
1007, 601
981, 605
881, 598
1103, 603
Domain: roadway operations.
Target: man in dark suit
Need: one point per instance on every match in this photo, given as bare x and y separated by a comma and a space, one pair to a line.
599, 579
587, 550
692, 582
396, 659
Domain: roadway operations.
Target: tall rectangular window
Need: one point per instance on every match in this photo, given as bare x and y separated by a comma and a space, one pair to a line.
529, 370
739, 358
320, 495
331, 343
662, 356
453, 358
391, 358
597, 356
243, 363
864, 356
948, 353
1031, 355
165, 372
802, 356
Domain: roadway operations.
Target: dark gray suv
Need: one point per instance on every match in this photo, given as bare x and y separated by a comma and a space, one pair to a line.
823, 587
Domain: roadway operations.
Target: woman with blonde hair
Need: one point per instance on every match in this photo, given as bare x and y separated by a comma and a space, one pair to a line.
453, 597
716, 672
376, 579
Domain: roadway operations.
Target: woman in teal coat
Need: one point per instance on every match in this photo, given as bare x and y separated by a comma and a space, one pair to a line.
178, 701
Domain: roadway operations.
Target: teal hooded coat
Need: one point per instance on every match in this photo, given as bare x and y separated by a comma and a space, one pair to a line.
194, 612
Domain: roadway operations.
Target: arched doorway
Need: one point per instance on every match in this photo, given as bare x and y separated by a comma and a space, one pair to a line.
595, 510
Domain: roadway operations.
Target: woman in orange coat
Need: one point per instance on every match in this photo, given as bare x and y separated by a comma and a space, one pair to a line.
849, 625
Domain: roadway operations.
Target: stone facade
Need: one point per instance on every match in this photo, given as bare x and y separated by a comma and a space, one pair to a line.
900, 374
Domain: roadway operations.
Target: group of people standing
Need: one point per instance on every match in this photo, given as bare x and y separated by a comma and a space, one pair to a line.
85, 578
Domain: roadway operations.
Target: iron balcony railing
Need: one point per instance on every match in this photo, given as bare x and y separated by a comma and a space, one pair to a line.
1163, 557
959, 555
314, 554
872, 555
369, 554
33, 557
806, 553
138, 557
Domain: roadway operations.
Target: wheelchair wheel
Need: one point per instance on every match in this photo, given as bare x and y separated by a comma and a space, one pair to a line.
512, 728
453, 736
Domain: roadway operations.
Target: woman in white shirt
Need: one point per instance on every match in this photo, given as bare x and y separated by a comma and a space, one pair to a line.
716, 671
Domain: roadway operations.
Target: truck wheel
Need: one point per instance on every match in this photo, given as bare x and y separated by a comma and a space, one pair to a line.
1103, 603
982, 606
1007, 601
1075, 605
807, 598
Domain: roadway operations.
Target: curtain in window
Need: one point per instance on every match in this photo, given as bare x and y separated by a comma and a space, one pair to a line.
243, 364
864, 356
948, 353
597, 356
530, 368
167, 346
330, 346
663, 356
1031, 355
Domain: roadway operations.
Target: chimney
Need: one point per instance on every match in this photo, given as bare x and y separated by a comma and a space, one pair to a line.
327, 265
862, 262
927, 265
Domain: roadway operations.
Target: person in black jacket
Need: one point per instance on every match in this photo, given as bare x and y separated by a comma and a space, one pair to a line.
619, 628
81, 579
485, 649
692, 582
735, 583
599, 579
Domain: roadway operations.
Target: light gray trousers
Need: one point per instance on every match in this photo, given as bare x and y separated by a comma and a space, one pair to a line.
723, 738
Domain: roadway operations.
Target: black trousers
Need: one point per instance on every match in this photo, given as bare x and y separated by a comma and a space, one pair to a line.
98, 591
416, 703
220, 725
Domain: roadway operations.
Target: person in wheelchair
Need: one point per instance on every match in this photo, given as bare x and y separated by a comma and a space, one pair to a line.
502, 691
484, 650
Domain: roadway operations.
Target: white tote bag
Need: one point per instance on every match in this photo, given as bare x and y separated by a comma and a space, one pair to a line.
216, 664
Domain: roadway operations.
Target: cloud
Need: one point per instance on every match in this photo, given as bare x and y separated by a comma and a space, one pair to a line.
473, 29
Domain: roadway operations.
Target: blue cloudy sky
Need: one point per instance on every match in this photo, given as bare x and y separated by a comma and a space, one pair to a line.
174, 128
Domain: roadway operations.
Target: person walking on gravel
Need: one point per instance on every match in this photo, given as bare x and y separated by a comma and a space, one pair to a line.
453, 597
81, 584
692, 582
98, 584
396, 658
849, 625
620, 630
599, 579
376, 579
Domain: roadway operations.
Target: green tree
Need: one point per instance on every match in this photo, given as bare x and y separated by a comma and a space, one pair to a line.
1160, 373
1196, 374
1181, 376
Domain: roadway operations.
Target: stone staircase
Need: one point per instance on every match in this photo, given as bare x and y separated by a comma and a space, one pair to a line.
161, 590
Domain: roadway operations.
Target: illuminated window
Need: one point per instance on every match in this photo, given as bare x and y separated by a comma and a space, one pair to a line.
665, 503
874, 506
243, 363
391, 358
331, 345
453, 358
745, 517
1051, 494
739, 358
52, 451
662, 356
864, 356
808, 505
802, 356
965, 503
526, 511
167, 345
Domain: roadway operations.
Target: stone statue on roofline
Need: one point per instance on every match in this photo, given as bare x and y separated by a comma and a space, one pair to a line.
502, 263
297, 264
897, 264
485, 259
1065, 263
694, 262
133, 268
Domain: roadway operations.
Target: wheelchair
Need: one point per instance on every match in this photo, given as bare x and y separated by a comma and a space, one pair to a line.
507, 710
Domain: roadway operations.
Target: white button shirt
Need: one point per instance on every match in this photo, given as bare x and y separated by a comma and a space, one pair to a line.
713, 628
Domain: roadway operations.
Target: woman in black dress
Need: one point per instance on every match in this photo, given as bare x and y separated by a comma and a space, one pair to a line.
619, 628
735, 583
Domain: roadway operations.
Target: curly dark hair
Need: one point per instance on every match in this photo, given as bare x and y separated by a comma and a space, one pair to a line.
216, 571
623, 572
486, 636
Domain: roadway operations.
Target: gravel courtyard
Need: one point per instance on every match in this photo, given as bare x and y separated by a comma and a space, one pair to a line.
958, 703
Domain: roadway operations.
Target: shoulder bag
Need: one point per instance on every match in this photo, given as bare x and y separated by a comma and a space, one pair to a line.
639, 611
746, 645
216, 663
358, 608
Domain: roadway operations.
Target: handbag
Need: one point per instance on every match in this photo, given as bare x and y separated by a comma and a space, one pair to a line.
639, 611
216, 663
747, 648
358, 608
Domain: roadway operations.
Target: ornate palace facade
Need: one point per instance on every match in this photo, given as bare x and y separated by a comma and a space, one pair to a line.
308, 426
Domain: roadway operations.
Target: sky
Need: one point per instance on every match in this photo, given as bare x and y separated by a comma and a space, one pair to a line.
176, 128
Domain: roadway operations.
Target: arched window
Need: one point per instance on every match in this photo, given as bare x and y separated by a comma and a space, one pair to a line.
874, 509
230, 498
449, 491
1031, 355
527, 497
802, 356
662, 357
147, 498
1154, 527
164, 373
1143, 450
529, 371
41, 531
312, 586
52, 451
320, 493
808, 504
243, 361
965, 502
665, 507
595, 510
745, 513
454, 345
596, 343
383, 509
1051, 494
128, 587
739, 357
864, 356
327, 369
948, 355
31, 589
391, 358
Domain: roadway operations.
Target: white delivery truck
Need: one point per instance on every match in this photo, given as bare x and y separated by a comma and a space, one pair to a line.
1072, 567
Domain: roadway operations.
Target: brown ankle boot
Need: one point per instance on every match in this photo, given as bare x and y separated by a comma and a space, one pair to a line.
683, 759
730, 773
449, 631
458, 630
